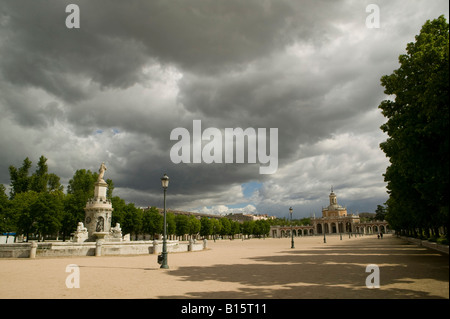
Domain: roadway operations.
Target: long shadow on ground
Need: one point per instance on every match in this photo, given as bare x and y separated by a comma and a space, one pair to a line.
331, 271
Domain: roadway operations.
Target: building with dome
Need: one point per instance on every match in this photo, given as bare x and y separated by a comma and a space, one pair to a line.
334, 220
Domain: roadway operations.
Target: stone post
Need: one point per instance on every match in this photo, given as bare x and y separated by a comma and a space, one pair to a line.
204, 243
98, 247
155, 246
33, 249
191, 245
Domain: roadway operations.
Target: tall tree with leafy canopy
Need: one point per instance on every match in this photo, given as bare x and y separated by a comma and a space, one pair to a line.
152, 222
40, 181
6, 223
20, 180
418, 129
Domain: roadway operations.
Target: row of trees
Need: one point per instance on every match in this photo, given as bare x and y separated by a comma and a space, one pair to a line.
38, 205
151, 222
418, 135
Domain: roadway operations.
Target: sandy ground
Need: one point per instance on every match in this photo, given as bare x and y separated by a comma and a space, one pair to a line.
253, 268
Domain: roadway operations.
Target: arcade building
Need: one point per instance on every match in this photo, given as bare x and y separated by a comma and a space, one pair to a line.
334, 220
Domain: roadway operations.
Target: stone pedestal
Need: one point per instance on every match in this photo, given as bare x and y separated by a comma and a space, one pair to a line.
33, 249
116, 233
81, 234
98, 213
98, 247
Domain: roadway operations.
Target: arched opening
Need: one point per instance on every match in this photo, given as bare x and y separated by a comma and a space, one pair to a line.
348, 227
319, 229
333, 228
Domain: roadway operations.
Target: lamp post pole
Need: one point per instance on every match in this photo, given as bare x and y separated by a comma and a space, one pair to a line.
292, 233
165, 184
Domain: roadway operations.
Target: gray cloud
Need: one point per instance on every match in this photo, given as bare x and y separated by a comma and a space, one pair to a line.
115, 88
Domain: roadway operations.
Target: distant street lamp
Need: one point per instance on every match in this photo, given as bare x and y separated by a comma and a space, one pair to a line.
165, 184
292, 233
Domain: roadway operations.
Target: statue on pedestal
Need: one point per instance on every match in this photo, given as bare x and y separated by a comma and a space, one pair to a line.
81, 233
101, 172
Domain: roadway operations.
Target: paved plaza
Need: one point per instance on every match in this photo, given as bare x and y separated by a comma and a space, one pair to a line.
256, 268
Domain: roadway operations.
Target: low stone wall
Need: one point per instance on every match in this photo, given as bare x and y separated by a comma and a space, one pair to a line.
428, 244
18, 250
60, 249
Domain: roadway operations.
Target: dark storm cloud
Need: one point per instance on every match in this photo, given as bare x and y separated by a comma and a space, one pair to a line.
115, 88
118, 38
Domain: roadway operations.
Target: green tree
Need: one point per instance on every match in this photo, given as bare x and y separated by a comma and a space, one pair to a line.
39, 179
6, 224
23, 215
71, 215
54, 183
152, 222
171, 224
82, 184
20, 180
194, 225
118, 215
182, 226
305, 221
235, 228
225, 228
47, 211
248, 227
380, 212
109, 191
417, 126
262, 228
132, 220
206, 227
216, 227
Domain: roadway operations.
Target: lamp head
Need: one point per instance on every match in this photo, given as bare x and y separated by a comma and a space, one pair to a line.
165, 181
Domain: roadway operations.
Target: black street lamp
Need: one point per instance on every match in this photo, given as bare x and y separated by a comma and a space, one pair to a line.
165, 184
292, 233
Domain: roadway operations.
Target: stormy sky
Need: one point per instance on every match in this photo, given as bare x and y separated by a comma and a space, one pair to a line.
113, 90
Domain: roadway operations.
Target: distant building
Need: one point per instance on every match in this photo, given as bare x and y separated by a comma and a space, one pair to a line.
334, 220
334, 209
241, 217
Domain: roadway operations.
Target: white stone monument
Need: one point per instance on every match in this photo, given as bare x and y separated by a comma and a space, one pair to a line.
81, 235
98, 215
